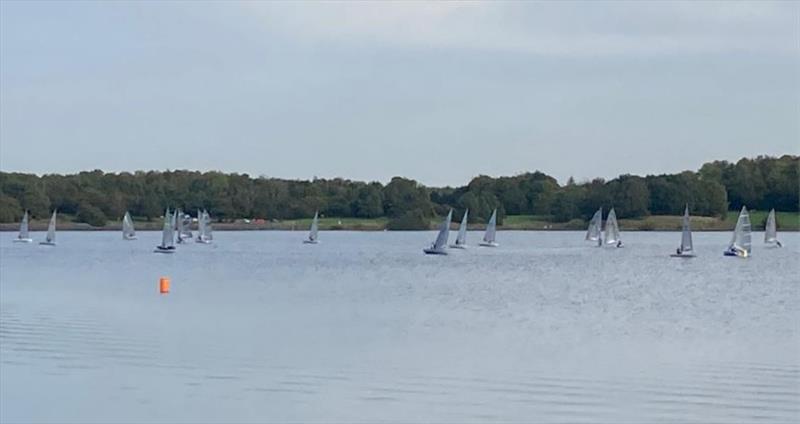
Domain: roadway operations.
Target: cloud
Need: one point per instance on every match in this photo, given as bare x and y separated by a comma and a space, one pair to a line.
547, 28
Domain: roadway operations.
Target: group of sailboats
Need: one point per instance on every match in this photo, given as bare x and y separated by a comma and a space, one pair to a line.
179, 223
25, 236
595, 231
439, 246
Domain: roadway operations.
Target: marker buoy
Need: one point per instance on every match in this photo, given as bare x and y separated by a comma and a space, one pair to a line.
163, 285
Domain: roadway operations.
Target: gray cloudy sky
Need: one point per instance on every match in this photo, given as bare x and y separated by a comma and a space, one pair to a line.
439, 92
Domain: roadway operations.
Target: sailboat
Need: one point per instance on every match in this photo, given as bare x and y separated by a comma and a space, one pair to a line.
167, 237
182, 226
594, 232
741, 241
50, 239
24, 235
686, 249
461, 239
204, 231
314, 231
612, 230
438, 247
491, 229
128, 233
771, 231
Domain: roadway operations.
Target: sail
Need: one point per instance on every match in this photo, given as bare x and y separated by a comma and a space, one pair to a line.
51, 229
612, 228
23, 227
127, 226
444, 232
686, 232
491, 228
593, 232
186, 224
208, 235
461, 239
200, 229
312, 234
741, 234
771, 231
167, 237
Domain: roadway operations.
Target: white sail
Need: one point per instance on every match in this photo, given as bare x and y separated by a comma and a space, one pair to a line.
24, 234
612, 228
313, 232
686, 233
742, 238
128, 233
209, 231
186, 224
167, 235
593, 232
200, 229
461, 239
771, 231
444, 232
51, 229
491, 228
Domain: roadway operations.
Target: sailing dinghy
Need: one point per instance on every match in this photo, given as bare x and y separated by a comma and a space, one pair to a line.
314, 231
461, 239
183, 222
50, 239
612, 230
204, 231
771, 231
594, 233
128, 233
491, 230
438, 247
167, 237
24, 235
686, 249
740, 244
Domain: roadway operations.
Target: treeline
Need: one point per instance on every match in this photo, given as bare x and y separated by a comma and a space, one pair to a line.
95, 197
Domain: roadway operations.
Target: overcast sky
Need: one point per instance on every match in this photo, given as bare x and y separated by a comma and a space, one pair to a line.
437, 92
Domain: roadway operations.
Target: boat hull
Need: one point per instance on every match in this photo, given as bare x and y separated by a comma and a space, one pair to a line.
735, 254
203, 241
489, 244
23, 240
47, 243
310, 242
458, 246
130, 238
434, 251
682, 255
160, 249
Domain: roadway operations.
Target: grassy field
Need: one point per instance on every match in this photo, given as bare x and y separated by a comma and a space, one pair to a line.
787, 221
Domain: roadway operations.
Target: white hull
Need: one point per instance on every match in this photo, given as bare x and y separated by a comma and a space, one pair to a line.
490, 244
23, 240
458, 246
130, 238
47, 243
203, 241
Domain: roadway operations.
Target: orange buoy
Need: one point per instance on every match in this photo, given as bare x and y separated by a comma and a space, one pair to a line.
163, 285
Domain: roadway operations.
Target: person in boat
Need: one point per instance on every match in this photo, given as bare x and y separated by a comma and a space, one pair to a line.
619, 243
678, 251
778, 243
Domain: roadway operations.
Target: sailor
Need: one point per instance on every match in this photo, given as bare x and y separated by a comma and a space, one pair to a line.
619, 243
678, 251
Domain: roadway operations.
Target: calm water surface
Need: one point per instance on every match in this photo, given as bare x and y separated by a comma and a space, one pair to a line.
364, 327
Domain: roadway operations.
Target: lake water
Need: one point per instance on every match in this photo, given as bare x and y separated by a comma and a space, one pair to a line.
364, 327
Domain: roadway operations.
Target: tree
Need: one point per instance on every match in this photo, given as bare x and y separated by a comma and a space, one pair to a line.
91, 215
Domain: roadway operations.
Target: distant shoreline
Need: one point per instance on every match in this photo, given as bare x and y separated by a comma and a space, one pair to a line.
786, 222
